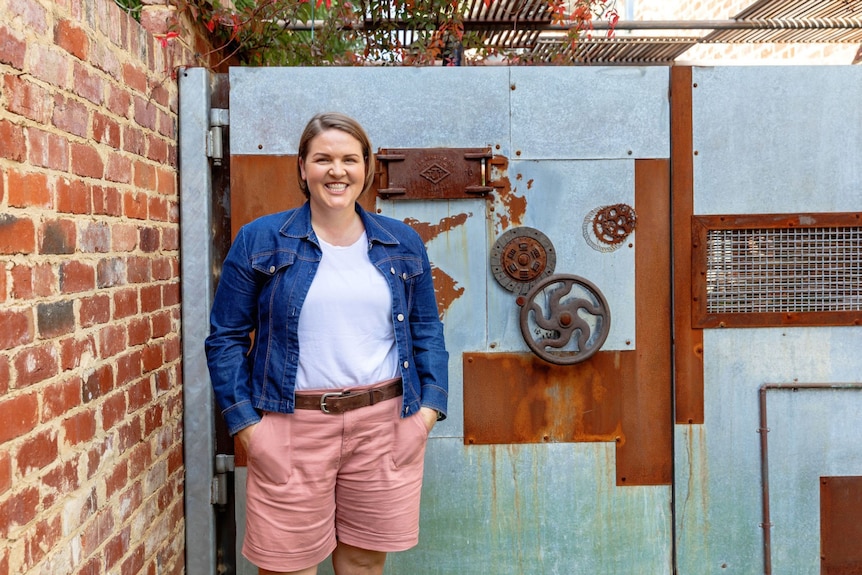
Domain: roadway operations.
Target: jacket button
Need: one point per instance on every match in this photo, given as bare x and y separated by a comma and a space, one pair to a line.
400, 317
272, 269
406, 364
404, 276
392, 271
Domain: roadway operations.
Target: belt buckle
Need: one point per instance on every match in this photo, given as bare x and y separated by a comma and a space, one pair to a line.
325, 396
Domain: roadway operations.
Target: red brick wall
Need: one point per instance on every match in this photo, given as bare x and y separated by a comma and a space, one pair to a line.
91, 464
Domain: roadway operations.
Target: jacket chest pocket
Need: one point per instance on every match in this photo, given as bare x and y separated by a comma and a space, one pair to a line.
407, 272
268, 264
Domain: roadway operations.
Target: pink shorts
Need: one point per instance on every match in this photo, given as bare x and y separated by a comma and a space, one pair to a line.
316, 478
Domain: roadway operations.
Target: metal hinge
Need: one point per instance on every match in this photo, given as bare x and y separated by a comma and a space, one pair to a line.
219, 118
223, 465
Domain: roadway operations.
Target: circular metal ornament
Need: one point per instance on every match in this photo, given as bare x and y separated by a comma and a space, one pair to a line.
520, 257
565, 319
607, 227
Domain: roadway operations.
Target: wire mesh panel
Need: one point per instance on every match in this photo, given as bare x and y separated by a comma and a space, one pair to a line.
786, 270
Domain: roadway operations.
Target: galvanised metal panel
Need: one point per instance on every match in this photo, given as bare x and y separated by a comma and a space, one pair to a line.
777, 139
586, 112
400, 107
718, 472
559, 195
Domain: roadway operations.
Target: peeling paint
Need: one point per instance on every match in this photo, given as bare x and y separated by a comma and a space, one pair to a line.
446, 288
508, 207
428, 231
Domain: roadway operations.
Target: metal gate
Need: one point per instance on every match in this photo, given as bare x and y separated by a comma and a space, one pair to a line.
666, 442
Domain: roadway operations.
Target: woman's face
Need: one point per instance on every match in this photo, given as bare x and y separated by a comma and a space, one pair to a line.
334, 170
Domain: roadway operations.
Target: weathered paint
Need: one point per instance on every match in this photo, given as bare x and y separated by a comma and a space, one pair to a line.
840, 528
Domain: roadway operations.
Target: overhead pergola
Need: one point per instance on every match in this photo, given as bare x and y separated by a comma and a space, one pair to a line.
526, 26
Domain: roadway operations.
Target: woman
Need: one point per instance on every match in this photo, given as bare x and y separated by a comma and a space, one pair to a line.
347, 373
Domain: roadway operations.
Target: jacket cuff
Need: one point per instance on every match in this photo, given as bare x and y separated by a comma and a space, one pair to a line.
239, 416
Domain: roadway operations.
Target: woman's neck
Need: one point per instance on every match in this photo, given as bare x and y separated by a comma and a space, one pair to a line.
337, 229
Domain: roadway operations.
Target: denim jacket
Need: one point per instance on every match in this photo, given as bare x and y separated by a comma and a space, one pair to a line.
263, 284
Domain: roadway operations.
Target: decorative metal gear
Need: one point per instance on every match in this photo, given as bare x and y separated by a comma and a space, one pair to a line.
607, 227
564, 319
520, 257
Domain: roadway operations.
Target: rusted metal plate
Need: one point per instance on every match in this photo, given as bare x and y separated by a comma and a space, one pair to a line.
263, 185
516, 398
433, 173
840, 528
646, 455
688, 355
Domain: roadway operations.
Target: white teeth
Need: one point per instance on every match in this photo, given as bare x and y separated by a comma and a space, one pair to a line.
337, 187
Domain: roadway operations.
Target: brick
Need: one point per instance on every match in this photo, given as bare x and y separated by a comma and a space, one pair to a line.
12, 48
107, 201
139, 331
116, 548
60, 481
125, 303
135, 205
48, 64
145, 176
151, 298
95, 237
97, 531
113, 410
162, 268
57, 237
55, 318
36, 364
71, 116
112, 341
76, 277
140, 394
119, 101
79, 427
44, 280
134, 140
128, 368
118, 168
124, 237
94, 310
5, 471
152, 359
73, 196
17, 327
4, 374
129, 435
153, 420
27, 99
106, 130
149, 241
48, 150
97, 383
170, 239
146, 113
135, 78
157, 149
72, 38
171, 294
168, 123
19, 509
29, 190
41, 539
86, 161
11, 137
138, 270
19, 415
161, 95
88, 85
37, 451
60, 398
166, 181
111, 272
22, 282
75, 352
32, 14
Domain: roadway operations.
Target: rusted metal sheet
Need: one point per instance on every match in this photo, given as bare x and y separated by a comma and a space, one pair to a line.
688, 354
840, 528
777, 270
433, 173
646, 455
515, 398
263, 185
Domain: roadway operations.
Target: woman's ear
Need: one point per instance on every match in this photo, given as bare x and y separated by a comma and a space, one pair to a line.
302, 169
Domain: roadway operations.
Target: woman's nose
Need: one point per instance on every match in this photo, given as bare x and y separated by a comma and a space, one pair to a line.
337, 168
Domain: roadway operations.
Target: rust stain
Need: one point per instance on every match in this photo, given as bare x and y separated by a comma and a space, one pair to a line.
446, 288
840, 529
508, 207
428, 231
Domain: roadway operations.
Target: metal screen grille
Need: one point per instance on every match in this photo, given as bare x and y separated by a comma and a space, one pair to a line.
784, 270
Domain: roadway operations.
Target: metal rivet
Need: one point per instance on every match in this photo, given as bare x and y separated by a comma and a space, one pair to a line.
272, 269
400, 317
406, 364
404, 276
392, 271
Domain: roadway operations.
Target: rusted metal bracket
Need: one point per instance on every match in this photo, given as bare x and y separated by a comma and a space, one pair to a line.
433, 173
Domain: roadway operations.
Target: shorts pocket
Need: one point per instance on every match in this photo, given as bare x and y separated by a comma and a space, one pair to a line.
269, 449
409, 439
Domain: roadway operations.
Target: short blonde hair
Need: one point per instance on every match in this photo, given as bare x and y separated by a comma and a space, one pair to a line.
335, 121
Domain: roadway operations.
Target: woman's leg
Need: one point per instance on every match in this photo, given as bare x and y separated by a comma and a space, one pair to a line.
350, 560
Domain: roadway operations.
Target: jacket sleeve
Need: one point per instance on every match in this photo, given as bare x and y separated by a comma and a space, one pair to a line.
429, 349
232, 320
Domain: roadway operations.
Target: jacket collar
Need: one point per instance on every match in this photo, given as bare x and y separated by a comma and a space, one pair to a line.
298, 225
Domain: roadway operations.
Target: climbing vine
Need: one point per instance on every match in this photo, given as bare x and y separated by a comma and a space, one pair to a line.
365, 32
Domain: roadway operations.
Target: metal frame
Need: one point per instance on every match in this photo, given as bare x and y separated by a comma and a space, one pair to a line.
196, 246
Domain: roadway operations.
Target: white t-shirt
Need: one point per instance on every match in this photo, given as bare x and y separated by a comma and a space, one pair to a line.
346, 337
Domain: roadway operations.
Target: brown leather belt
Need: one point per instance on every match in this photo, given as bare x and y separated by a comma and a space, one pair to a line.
341, 401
